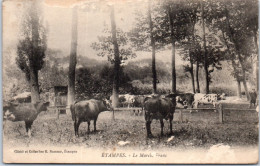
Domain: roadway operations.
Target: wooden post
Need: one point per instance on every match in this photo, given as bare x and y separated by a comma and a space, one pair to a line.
58, 112
113, 114
180, 116
220, 110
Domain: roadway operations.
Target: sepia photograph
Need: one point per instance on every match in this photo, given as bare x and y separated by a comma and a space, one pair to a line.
130, 81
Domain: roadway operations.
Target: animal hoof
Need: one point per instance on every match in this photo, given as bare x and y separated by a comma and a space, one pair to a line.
150, 136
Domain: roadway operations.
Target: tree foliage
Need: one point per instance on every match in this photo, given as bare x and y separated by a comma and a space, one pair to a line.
32, 44
104, 46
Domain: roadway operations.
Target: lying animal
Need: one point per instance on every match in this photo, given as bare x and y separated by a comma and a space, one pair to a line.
87, 110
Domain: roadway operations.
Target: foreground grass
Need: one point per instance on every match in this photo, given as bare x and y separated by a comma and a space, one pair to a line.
238, 130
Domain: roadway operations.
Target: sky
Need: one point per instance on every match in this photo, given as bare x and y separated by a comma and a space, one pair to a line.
57, 16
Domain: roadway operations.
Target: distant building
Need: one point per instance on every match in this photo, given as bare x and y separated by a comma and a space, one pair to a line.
58, 97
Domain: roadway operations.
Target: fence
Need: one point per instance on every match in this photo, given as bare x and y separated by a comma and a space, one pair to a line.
220, 110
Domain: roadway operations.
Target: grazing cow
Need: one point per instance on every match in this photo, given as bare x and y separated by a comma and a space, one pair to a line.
125, 100
26, 112
253, 97
87, 110
138, 104
129, 100
185, 99
158, 107
200, 98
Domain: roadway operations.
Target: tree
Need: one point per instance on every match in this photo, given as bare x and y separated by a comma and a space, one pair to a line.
31, 48
190, 44
147, 35
205, 50
177, 12
153, 47
237, 21
73, 59
109, 46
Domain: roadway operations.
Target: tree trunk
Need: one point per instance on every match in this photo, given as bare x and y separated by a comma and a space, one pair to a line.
34, 85
117, 60
205, 51
238, 53
153, 48
173, 50
245, 85
73, 60
192, 75
239, 89
197, 77
257, 61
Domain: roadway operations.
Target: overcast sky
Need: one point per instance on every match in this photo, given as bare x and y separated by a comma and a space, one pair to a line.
91, 21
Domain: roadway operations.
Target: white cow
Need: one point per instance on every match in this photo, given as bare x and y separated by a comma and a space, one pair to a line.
200, 98
125, 99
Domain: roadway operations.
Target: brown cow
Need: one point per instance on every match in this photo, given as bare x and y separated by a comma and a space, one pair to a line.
26, 112
87, 110
158, 107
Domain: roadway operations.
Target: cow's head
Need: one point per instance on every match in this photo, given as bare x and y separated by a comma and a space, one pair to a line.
9, 109
108, 105
42, 106
221, 96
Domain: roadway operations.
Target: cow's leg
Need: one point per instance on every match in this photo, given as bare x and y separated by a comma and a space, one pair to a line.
148, 128
75, 128
171, 126
162, 125
28, 126
77, 123
95, 122
88, 127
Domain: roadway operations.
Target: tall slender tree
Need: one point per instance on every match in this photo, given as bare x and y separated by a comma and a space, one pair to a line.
73, 59
31, 48
153, 47
116, 59
204, 49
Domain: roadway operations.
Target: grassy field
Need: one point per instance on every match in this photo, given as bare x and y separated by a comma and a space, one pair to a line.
198, 129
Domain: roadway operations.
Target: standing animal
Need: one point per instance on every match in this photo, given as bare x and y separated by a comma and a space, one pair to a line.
158, 107
26, 112
138, 104
87, 110
200, 98
185, 99
125, 100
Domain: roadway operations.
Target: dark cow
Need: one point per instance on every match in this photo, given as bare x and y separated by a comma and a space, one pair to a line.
253, 97
26, 112
87, 110
159, 107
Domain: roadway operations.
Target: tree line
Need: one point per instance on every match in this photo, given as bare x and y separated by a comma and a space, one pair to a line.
204, 32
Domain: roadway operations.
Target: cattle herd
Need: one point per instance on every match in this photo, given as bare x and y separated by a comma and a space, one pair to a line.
153, 106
